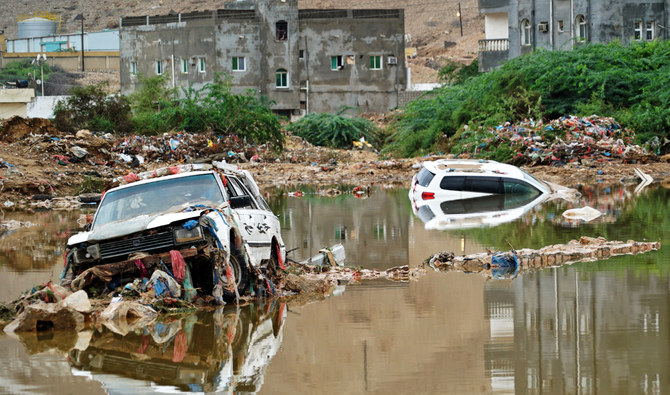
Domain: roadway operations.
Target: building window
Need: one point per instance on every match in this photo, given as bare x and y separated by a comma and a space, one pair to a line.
375, 62
301, 54
239, 63
201, 65
561, 28
184, 66
282, 30
336, 62
281, 78
638, 31
133, 68
580, 26
159, 67
525, 32
650, 30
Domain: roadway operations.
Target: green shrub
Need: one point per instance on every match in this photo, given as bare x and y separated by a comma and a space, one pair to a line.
334, 130
92, 107
213, 108
628, 83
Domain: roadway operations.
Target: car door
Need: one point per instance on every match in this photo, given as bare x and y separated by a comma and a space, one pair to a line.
255, 222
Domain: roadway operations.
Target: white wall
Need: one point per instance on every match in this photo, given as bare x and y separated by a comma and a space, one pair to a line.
43, 106
496, 25
107, 40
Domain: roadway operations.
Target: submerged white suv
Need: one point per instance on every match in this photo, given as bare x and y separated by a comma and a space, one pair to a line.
470, 193
213, 217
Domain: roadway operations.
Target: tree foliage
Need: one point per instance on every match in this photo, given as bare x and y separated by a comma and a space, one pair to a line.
92, 107
19, 70
215, 107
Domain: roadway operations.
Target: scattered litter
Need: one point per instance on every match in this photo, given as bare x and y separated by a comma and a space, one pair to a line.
564, 140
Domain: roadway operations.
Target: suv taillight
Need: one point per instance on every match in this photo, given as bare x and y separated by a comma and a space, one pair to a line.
427, 195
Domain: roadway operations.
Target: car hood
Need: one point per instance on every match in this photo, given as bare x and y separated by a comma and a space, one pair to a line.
123, 228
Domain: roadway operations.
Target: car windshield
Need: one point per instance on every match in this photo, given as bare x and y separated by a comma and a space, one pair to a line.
158, 197
529, 177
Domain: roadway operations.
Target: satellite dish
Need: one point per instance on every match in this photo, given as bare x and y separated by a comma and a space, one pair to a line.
38, 82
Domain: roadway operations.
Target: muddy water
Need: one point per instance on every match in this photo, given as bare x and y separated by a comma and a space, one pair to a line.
587, 328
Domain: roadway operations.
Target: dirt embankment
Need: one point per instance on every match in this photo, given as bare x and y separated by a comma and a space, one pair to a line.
39, 163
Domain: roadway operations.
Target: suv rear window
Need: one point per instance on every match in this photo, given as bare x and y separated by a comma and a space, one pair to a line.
424, 177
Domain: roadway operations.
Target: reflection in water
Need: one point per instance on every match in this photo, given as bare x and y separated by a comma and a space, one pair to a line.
598, 327
373, 230
227, 350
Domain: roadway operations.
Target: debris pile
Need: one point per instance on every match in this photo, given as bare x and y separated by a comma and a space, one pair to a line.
586, 249
564, 140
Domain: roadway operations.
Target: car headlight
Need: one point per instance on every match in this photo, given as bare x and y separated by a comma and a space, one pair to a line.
94, 251
183, 235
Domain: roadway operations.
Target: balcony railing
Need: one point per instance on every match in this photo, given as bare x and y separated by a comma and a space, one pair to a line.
494, 45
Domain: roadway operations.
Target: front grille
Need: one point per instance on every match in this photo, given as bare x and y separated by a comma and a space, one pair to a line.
145, 243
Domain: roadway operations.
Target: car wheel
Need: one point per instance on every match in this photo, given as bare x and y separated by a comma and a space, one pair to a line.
241, 273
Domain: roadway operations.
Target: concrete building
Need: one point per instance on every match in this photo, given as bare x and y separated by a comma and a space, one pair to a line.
517, 27
304, 60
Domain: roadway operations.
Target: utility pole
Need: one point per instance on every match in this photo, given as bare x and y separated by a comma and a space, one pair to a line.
460, 18
76, 18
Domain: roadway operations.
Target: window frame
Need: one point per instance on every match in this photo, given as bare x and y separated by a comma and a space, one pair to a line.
202, 65
159, 67
650, 27
236, 63
184, 66
580, 28
281, 26
281, 79
638, 30
133, 68
526, 32
336, 62
373, 65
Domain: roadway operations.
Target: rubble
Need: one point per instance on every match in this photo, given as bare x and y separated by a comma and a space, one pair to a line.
586, 249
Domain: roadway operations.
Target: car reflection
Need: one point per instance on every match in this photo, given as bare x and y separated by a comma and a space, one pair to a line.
228, 350
452, 212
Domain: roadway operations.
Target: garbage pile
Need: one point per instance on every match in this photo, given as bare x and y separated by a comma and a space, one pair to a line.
564, 140
186, 147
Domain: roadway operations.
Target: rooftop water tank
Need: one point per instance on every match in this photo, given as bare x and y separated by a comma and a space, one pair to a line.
37, 27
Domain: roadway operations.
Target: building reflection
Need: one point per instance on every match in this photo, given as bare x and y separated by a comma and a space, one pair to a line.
562, 330
373, 230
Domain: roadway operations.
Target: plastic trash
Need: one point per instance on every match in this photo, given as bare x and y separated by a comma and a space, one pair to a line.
585, 214
164, 285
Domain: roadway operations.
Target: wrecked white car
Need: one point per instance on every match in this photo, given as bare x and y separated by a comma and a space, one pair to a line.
206, 226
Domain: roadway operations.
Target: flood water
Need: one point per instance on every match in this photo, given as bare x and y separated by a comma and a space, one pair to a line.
599, 327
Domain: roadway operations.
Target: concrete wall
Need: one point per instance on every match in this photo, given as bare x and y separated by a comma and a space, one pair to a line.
356, 40
249, 29
13, 102
496, 25
43, 106
70, 61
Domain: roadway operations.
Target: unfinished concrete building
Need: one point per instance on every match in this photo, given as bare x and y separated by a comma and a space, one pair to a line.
304, 60
514, 28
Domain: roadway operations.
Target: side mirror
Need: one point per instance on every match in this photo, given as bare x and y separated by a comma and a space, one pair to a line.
87, 227
240, 201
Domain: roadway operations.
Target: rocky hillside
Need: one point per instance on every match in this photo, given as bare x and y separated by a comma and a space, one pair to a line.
433, 25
